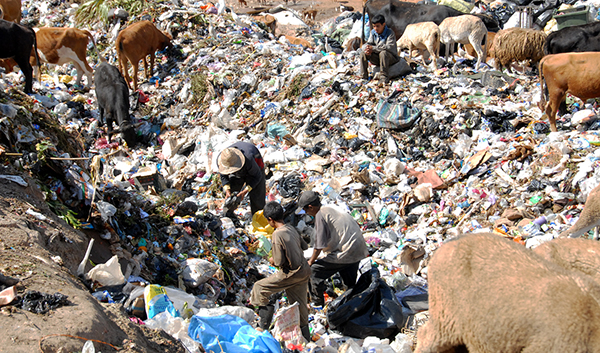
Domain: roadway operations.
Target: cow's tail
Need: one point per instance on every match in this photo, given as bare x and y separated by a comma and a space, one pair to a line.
543, 91
91, 37
37, 56
485, 45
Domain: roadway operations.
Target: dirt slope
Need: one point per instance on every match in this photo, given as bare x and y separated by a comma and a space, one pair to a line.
28, 250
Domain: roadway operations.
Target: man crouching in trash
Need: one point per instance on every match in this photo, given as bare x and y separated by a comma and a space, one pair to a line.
293, 273
241, 164
339, 236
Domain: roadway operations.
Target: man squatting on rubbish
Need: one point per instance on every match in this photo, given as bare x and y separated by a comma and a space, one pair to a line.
380, 50
239, 164
339, 236
293, 273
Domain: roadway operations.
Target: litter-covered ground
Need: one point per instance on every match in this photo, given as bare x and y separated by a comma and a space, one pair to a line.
470, 152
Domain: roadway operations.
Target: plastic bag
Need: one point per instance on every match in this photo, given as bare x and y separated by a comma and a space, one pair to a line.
368, 309
157, 301
107, 274
291, 185
41, 303
245, 313
231, 334
106, 210
174, 326
286, 327
260, 224
198, 271
392, 114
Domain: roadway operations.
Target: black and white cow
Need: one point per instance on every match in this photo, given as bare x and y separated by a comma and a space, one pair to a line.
16, 42
112, 94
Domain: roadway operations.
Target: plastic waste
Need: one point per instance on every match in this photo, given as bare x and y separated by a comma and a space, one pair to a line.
107, 274
231, 334
198, 271
41, 303
106, 210
368, 309
157, 301
88, 347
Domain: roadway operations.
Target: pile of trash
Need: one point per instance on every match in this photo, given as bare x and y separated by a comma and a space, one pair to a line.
472, 155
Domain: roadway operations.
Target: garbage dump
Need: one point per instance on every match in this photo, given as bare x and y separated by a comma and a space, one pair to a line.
416, 161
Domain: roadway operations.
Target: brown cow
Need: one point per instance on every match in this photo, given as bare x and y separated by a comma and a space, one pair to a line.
136, 42
10, 10
57, 45
575, 73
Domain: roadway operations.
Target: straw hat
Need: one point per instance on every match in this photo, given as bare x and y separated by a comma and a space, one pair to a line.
230, 160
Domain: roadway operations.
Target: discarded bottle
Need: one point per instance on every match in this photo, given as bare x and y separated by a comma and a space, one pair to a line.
88, 347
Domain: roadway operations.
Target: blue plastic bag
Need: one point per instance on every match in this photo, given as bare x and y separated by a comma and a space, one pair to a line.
230, 334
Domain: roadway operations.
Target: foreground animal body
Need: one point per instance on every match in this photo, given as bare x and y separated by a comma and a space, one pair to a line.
574, 73
399, 14
518, 44
466, 29
10, 10
488, 294
113, 101
421, 36
589, 217
580, 255
17, 43
57, 45
136, 42
574, 39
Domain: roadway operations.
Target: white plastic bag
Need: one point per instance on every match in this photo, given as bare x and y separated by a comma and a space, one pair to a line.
198, 271
107, 274
240, 311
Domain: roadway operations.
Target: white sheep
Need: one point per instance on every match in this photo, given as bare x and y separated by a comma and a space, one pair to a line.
422, 36
466, 29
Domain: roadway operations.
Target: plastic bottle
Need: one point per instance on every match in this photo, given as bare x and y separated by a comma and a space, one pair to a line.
88, 347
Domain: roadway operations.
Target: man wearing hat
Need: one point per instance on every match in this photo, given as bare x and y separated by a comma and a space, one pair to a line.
241, 164
337, 235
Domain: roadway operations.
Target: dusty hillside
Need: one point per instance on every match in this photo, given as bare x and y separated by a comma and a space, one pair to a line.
44, 256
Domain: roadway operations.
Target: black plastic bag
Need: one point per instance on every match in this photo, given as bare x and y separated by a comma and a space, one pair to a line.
290, 186
41, 303
368, 309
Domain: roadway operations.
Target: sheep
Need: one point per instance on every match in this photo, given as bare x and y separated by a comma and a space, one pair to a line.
518, 44
421, 36
488, 294
581, 255
464, 29
589, 217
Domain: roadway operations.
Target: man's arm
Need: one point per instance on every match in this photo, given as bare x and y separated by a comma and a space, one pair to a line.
314, 257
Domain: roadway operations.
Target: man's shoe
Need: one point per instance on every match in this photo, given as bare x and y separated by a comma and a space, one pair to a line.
266, 316
306, 332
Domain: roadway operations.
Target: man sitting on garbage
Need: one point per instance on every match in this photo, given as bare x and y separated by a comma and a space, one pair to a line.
339, 236
293, 274
241, 164
380, 50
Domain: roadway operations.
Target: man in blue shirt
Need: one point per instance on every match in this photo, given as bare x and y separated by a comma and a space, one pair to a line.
380, 50
242, 165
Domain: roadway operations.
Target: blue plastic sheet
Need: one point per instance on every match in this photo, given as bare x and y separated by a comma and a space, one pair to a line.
230, 334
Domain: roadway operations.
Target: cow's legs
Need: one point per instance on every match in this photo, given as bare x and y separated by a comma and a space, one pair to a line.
101, 111
554, 101
123, 63
135, 74
151, 65
27, 70
80, 74
146, 67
